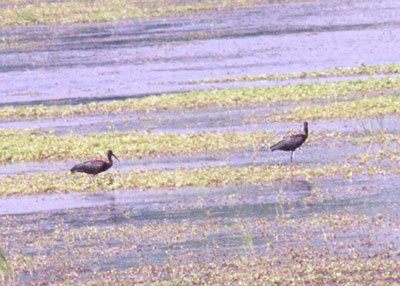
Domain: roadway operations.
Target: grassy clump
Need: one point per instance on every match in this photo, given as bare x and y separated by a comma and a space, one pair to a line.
201, 177
335, 72
363, 108
244, 97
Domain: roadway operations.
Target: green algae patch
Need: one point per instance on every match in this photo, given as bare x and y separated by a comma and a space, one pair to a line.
335, 72
356, 109
244, 97
155, 179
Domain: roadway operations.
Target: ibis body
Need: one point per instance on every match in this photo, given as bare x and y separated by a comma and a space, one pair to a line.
291, 143
93, 167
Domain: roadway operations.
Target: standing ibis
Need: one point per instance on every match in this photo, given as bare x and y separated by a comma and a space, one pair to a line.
93, 167
291, 143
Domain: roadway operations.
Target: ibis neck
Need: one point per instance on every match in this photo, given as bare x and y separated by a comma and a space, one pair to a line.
110, 161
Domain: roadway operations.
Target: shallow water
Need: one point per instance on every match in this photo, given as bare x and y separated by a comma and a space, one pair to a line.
82, 62
221, 121
308, 155
175, 204
195, 206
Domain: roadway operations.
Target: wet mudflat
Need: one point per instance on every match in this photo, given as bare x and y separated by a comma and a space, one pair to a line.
117, 231
144, 234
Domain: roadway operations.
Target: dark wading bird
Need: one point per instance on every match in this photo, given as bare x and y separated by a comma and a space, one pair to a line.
291, 143
93, 167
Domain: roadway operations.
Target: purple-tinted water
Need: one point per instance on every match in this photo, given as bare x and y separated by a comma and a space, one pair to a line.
83, 62
89, 62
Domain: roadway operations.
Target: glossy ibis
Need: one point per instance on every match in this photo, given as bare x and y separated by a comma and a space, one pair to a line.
291, 143
93, 167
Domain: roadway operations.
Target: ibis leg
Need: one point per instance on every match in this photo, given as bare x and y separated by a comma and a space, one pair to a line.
292, 157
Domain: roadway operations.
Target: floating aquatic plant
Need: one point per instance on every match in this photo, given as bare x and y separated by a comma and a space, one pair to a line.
335, 72
35, 145
200, 177
244, 97
22, 12
343, 262
362, 108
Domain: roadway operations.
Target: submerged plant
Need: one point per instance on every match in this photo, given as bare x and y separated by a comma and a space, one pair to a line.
5, 268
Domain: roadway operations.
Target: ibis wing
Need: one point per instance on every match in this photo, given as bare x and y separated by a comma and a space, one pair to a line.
281, 145
289, 143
